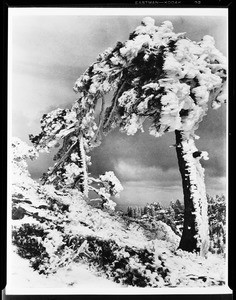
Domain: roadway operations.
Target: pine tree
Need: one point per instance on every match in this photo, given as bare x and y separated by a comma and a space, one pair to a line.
157, 75
129, 211
142, 211
145, 210
152, 211
132, 212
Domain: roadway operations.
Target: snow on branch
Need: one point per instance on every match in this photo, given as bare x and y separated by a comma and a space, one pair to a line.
165, 77
107, 185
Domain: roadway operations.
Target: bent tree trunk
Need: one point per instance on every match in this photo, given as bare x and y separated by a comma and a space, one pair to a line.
195, 229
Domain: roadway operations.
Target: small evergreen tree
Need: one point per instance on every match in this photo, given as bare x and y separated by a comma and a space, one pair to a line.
129, 211
152, 211
217, 223
145, 210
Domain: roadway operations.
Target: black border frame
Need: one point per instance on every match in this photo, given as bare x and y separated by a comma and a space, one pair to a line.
3, 149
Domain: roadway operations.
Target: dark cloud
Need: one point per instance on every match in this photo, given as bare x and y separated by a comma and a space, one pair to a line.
214, 123
41, 164
150, 151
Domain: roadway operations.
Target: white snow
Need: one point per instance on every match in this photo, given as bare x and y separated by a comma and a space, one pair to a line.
75, 277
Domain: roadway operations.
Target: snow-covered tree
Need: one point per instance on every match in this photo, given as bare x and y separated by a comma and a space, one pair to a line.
157, 75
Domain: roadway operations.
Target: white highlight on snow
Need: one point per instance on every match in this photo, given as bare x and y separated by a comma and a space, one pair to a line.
111, 179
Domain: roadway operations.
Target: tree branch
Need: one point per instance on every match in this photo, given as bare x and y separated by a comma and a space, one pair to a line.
94, 179
100, 120
56, 166
114, 103
99, 194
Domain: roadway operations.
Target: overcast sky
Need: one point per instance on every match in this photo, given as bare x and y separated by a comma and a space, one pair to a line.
50, 52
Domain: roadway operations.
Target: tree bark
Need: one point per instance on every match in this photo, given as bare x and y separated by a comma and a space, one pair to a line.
195, 229
82, 179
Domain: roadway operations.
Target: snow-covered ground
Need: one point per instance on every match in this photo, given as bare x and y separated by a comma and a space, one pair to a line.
80, 279
76, 276
157, 264
187, 270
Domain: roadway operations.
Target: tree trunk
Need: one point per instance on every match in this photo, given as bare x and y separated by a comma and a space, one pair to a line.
195, 229
82, 179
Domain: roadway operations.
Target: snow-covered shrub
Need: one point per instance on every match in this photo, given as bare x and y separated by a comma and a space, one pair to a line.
156, 229
138, 267
123, 264
153, 212
39, 236
111, 183
28, 240
107, 185
191, 270
39, 243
